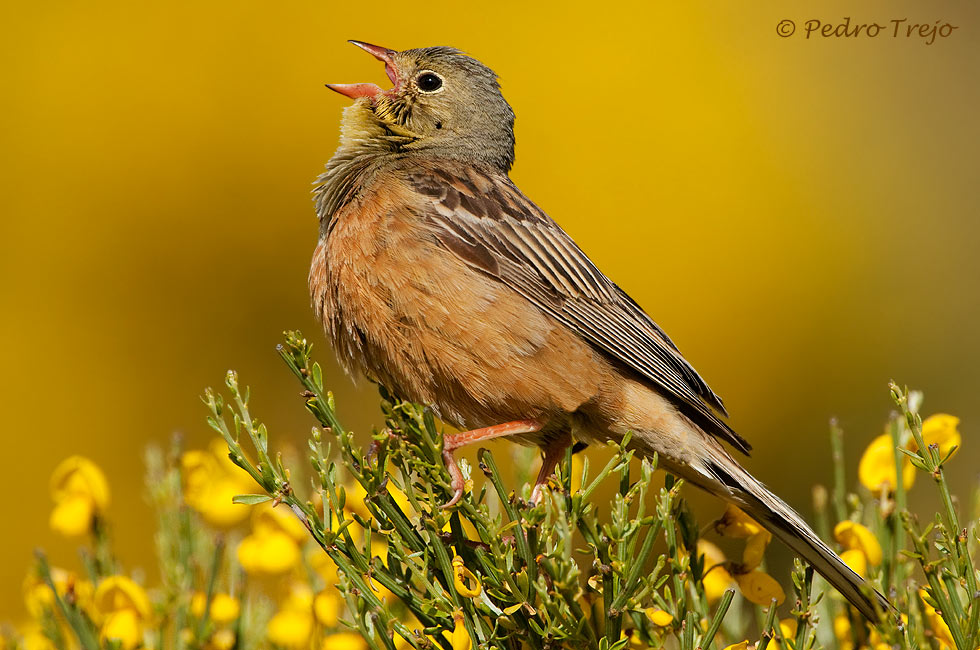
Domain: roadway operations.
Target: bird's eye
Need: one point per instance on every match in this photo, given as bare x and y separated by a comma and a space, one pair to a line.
428, 82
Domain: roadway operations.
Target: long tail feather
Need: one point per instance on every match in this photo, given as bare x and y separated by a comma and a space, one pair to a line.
734, 484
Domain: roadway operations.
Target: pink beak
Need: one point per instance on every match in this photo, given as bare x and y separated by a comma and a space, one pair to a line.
366, 89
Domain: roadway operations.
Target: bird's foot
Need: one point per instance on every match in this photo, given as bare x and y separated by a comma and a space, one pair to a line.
537, 492
457, 482
454, 441
552, 454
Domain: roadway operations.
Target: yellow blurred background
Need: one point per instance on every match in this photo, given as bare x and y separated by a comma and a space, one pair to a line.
800, 215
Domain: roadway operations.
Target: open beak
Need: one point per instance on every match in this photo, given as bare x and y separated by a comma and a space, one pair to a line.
366, 89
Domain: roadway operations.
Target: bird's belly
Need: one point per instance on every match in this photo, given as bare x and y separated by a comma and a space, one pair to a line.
410, 315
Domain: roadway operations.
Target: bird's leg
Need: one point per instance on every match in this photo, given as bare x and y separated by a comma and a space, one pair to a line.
552, 454
454, 441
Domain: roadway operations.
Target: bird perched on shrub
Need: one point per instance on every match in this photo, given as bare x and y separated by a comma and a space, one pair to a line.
437, 277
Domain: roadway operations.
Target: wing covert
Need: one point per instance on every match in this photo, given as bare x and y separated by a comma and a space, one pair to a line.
493, 227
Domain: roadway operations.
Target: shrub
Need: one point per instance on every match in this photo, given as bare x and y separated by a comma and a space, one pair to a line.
357, 551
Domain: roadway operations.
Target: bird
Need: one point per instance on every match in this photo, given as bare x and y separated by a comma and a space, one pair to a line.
435, 276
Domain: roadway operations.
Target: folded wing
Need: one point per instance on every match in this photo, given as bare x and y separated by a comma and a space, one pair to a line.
493, 227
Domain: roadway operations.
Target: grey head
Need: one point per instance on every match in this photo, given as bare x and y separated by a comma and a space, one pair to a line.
445, 103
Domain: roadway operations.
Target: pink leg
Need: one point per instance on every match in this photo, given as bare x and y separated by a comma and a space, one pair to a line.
552, 454
454, 441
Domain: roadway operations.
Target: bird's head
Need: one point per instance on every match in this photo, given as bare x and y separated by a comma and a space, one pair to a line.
446, 102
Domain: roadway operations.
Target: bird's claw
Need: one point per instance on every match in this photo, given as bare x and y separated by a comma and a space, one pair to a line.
537, 492
457, 495
458, 484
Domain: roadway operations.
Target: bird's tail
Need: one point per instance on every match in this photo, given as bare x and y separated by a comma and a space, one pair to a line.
736, 485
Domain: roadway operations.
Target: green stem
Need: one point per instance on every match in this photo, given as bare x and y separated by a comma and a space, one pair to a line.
895, 569
77, 621
636, 567
613, 618
520, 536
934, 465
715, 625
202, 625
837, 455
767, 626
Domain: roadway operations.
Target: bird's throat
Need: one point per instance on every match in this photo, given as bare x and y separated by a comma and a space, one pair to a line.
365, 142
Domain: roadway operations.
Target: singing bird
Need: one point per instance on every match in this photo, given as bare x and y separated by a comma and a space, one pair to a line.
435, 276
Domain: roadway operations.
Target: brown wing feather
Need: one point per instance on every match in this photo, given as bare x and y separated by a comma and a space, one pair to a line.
492, 226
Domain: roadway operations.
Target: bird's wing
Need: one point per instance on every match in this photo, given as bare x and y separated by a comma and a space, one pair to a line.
493, 227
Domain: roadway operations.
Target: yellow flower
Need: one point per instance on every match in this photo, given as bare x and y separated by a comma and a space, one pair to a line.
211, 480
853, 536
123, 627
469, 530
459, 638
223, 639
124, 608
842, 630
299, 598
197, 468
273, 548
785, 631
755, 549
80, 492
116, 593
327, 606
741, 645
940, 430
197, 603
379, 549
268, 553
412, 623
856, 560
80, 475
659, 617
324, 566
635, 641
936, 622
224, 607
787, 628
401, 500
279, 518
292, 625
356, 495
72, 516
716, 577
760, 588
876, 470
737, 524
290, 629
217, 507
344, 641
33, 638
39, 598
462, 575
